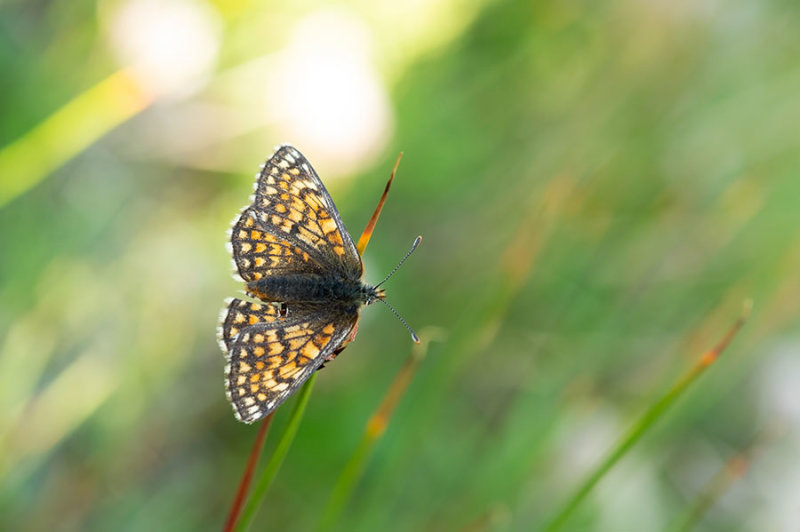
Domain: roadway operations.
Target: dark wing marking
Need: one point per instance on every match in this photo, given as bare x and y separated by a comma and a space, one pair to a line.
259, 250
272, 357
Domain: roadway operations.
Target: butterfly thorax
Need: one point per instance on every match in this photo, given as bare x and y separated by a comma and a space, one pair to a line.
315, 288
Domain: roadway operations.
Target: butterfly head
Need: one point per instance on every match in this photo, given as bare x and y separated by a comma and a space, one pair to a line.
373, 294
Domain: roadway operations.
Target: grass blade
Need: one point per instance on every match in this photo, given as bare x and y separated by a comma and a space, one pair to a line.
275, 461
367, 233
376, 426
247, 476
653, 414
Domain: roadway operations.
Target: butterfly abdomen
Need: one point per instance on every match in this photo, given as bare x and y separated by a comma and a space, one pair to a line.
307, 288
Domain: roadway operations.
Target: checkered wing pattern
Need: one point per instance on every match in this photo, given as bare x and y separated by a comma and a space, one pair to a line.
270, 356
292, 226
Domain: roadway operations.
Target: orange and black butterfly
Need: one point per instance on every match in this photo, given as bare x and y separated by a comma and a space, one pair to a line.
292, 249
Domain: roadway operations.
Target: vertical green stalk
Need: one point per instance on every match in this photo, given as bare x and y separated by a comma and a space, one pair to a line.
247, 476
275, 461
376, 426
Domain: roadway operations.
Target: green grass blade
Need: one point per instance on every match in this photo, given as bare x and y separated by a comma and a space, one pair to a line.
376, 426
276, 460
644, 423
247, 476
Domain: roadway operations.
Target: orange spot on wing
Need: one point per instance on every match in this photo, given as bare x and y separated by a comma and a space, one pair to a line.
327, 225
275, 348
288, 369
310, 350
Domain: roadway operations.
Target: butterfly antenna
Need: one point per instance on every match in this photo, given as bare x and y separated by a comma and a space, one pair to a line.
399, 317
410, 251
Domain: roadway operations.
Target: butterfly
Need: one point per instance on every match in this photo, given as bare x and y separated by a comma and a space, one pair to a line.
296, 257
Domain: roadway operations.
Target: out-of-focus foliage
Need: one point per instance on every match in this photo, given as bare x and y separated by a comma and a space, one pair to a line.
599, 185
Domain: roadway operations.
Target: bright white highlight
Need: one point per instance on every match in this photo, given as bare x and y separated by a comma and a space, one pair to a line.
170, 47
324, 94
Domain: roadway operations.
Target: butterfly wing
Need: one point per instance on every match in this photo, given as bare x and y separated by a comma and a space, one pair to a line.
260, 249
270, 356
293, 225
238, 315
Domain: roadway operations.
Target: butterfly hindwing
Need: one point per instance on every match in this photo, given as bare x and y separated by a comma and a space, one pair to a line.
272, 355
239, 314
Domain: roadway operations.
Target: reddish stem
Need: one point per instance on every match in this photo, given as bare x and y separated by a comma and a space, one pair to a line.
247, 476
367, 234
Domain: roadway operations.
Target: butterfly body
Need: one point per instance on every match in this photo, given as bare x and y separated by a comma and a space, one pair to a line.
315, 288
295, 255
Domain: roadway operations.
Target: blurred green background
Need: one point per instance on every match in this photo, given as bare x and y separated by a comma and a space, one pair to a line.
599, 185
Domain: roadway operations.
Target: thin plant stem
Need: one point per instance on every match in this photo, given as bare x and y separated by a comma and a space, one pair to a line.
247, 476
653, 414
367, 233
375, 428
275, 461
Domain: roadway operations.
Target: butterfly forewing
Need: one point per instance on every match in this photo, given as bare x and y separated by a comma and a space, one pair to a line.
291, 203
260, 250
270, 357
